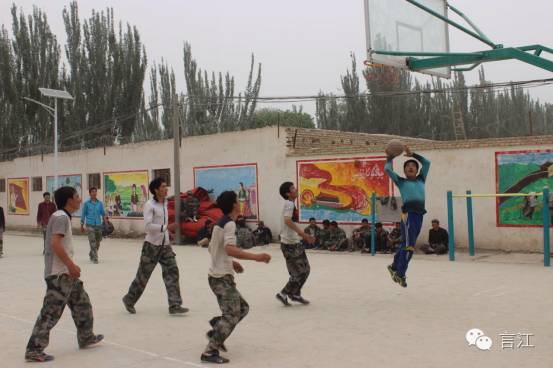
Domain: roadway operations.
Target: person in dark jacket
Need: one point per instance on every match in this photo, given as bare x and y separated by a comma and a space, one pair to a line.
438, 240
2, 229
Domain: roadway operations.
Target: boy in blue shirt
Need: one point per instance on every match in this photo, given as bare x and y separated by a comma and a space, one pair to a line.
412, 193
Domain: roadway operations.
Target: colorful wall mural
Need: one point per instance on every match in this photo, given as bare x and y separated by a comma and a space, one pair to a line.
240, 178
125, 193
18, 196
74, 181
522, 172
341, 189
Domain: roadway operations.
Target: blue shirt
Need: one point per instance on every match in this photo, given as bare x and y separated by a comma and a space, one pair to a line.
412, 190
93, 213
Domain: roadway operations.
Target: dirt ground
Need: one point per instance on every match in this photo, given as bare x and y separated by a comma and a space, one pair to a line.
358, 317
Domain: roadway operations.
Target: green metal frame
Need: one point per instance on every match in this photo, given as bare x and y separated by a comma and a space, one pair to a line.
419, 61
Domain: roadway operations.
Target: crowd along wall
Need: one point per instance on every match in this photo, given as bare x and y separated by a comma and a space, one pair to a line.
262, 161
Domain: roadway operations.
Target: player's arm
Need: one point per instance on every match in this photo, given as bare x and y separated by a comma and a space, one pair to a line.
391, 173
425, 164
59, 251
149, 225
291, 224
229, 236
235, 252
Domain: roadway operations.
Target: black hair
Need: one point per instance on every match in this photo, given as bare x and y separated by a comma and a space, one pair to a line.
226, 201
312, 219
91, 189
326, 222
62, 195
436, 221
285, 189
378, 224
45, 194
155, 184
365, 221
334, 223
412, 161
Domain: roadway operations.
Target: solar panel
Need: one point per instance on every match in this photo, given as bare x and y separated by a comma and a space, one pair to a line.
55, 93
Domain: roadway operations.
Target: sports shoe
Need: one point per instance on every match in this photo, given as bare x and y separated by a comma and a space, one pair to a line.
35, 357
128, 306
283, 299
177, 309
209, 334
299, 299
91, 341
393, 273
213, 356
402, 281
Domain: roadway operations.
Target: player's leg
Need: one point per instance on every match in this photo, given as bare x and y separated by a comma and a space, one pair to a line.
148, 261
58, 290
170, 273
81, 311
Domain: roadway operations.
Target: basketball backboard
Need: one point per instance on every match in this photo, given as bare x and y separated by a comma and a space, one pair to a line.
397, 25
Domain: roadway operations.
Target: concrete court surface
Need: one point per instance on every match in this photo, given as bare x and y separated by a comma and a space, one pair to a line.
358, 316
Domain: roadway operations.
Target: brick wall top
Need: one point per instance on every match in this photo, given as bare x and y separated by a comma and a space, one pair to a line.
314, 142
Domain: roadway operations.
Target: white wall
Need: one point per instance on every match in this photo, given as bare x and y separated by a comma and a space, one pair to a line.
452, 169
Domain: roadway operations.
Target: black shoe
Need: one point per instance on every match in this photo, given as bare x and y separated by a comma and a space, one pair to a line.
128, 306
92, 341
95, 261
177, 309
213, 356
283, 299
222, 347
402, 281
393, 274
35, 357
299, 299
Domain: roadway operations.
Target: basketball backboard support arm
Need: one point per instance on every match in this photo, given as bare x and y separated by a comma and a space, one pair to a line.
429, 60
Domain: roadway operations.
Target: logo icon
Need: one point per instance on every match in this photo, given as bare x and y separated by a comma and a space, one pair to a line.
477, 338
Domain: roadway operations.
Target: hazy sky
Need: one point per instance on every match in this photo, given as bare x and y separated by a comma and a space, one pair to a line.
303, 45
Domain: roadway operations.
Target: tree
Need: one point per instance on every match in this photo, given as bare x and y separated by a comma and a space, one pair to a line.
292, 118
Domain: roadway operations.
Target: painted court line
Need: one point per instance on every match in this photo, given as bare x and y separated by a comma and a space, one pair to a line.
489, 290
114, 344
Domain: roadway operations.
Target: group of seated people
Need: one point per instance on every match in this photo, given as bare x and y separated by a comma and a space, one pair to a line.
333, 238
245, 237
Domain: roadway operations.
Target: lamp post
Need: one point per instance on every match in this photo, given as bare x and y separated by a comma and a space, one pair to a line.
56, 95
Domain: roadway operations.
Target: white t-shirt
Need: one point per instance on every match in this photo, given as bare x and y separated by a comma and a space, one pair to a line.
287, 235
224, 233
59, 224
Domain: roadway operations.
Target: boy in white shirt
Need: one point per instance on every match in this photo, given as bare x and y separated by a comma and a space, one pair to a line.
223, 249
157, 249
292, 249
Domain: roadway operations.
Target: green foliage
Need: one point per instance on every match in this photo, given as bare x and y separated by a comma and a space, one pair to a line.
393, 103
109, 185
293, 118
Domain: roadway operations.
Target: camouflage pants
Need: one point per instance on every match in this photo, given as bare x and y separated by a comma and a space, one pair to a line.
233, 307
62, 291
94, 238
298, 268
151, 256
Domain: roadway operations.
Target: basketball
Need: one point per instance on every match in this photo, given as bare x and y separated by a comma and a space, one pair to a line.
395, 148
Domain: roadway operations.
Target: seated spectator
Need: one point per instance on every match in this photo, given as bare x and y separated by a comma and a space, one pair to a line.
313, 230
324, 235
244, 235
438, 240
394, 238
360, 236
380, 240
338, 238
263, 234
204, 235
